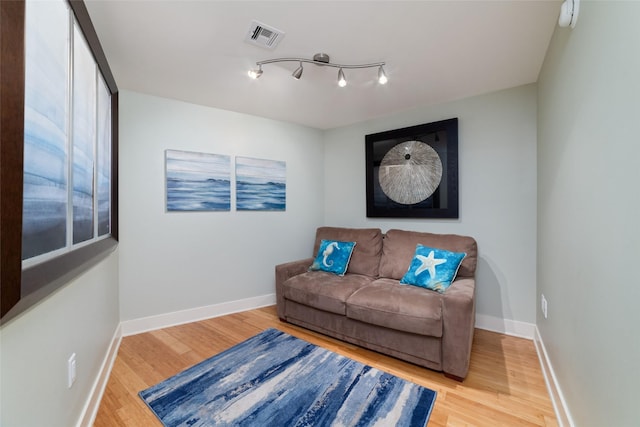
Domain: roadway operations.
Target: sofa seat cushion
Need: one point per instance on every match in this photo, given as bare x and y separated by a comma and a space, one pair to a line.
386, 302
324, 291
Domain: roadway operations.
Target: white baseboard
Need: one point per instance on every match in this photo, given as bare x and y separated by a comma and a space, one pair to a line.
91, 406
557, 398
514, 328
145, 324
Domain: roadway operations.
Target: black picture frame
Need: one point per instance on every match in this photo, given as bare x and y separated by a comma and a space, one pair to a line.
441, 137
21, 288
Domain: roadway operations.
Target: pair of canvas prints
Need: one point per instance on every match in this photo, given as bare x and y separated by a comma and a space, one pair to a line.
202, 182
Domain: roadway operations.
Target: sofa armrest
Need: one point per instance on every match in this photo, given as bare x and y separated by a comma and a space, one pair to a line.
458, 317
284, 272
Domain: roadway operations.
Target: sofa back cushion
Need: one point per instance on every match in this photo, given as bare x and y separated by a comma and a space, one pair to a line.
399, 247
366, 254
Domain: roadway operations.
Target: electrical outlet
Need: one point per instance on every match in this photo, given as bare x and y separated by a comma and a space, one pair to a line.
71, 370
543, 305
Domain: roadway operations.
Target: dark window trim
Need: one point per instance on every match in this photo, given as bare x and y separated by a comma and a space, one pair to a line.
21, 289
11, 149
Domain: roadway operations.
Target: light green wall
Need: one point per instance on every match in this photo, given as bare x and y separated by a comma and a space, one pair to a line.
588, 210
81, 317
172, 261
497, 192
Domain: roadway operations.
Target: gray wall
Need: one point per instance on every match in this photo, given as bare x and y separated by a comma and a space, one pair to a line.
172, 261
588, 210
81, 317
497, 181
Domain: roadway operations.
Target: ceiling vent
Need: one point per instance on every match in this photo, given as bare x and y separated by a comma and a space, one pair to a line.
264, 36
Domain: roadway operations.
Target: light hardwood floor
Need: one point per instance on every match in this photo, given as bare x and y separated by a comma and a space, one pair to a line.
505, 386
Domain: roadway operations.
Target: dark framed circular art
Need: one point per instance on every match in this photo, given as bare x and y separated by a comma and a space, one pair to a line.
413, 172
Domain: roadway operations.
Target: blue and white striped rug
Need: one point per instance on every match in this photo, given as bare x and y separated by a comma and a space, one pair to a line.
274, 379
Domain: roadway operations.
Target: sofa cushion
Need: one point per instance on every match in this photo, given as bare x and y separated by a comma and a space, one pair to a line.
366, 254
324, 291
386, 302
399, 247
433, 268
333, 256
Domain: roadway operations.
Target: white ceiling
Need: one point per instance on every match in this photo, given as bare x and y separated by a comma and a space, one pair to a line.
435, 51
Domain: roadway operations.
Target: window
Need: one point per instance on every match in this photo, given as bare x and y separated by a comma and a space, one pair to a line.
63, 154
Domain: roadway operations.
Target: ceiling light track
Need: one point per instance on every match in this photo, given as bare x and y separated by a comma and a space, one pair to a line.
321, 60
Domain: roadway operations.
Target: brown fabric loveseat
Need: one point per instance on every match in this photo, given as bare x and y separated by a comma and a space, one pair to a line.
369, 307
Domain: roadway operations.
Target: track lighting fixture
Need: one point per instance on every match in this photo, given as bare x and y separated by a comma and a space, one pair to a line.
322, 60
342, 82
382, 77
298, 72
254, 74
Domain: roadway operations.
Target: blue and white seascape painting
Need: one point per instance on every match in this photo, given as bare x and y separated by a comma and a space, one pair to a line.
198, 181
104, 160
84, 131
46, 119
260, 184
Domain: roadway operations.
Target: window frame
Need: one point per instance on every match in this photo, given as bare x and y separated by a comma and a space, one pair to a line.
22, 288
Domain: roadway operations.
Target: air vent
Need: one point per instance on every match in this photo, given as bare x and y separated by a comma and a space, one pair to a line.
263, 35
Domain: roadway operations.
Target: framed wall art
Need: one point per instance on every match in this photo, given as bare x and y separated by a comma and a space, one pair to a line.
197, 181
261, 184
413, 172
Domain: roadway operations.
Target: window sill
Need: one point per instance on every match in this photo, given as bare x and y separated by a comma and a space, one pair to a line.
42, 280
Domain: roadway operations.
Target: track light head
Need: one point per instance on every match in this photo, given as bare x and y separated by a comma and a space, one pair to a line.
342, 82
298, 72
254, 74
382, 77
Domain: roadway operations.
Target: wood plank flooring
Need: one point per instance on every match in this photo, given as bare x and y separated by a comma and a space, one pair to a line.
505, 386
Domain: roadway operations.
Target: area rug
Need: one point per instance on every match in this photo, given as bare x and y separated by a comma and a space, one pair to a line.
275, 379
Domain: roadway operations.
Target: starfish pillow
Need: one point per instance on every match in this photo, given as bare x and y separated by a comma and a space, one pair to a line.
433, 268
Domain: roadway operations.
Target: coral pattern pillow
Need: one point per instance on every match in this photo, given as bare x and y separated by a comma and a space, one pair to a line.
333, 256
433, 268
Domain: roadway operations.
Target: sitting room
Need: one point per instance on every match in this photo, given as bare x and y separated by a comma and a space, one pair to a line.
293, 111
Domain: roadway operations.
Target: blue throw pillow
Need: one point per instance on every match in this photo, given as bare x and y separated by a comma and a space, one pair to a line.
333, 256
433, 268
